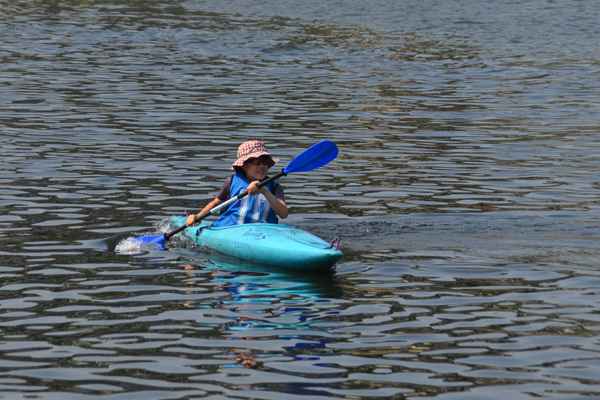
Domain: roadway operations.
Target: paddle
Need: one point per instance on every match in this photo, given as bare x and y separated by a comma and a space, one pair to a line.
312, 158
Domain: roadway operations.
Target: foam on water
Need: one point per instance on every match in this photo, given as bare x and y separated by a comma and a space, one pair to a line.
135, 245
131, 245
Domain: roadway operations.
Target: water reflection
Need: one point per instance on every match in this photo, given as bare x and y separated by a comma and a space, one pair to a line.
249, 282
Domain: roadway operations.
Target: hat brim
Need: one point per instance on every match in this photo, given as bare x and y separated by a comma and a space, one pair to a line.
240, 161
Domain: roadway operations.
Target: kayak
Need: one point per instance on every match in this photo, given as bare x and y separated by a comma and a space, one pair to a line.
275, 244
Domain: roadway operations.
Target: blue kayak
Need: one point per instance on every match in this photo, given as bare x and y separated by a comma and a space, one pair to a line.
274, 244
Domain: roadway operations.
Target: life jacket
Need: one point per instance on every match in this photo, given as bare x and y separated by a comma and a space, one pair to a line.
249, 209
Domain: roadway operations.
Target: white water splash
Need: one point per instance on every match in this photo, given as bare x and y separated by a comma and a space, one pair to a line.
131, 245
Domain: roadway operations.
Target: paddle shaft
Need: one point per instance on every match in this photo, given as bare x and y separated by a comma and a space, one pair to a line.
225, 204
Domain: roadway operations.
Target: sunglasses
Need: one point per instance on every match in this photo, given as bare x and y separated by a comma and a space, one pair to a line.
258, 161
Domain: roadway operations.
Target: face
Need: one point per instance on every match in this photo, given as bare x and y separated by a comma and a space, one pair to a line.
256, 172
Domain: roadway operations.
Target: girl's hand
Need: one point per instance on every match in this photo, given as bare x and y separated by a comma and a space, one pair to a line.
191, 220
253, 190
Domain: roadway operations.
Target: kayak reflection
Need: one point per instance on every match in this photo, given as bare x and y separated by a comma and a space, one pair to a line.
264, 301
249, 282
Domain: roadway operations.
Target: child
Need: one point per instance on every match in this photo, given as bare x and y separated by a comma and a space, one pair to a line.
261, 205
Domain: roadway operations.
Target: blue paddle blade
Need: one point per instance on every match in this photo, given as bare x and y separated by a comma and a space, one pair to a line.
314, 157
160, 239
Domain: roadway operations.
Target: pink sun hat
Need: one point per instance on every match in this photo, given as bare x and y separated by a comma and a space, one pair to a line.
252, 149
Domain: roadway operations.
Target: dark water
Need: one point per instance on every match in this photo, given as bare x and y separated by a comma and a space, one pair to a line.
466, 194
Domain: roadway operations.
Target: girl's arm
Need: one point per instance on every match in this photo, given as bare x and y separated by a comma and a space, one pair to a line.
209, 206
277, 205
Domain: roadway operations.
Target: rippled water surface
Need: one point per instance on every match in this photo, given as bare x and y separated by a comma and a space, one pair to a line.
466, 194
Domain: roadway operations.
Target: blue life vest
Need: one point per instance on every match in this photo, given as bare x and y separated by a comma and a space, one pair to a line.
249, 209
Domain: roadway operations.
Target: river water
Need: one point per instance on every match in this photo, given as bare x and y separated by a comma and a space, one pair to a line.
466, 194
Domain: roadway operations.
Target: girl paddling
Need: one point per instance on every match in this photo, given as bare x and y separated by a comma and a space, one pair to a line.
263, 205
